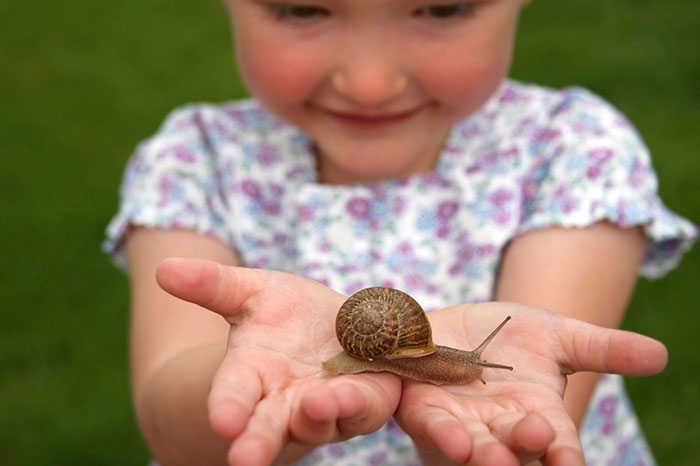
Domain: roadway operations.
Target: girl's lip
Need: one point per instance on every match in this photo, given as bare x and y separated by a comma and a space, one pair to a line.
372, 121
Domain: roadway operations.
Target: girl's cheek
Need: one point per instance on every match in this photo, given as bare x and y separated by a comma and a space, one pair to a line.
273, 72
467, 83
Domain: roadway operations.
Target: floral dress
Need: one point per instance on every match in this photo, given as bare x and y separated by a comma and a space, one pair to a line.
530, 158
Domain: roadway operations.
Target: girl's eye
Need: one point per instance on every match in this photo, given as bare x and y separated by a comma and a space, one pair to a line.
288, 11
446, 11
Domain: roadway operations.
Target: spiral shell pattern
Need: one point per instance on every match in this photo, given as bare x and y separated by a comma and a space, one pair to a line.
383, 323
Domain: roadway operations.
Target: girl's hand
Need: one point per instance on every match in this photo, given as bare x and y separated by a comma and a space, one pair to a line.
517, 416
268, 396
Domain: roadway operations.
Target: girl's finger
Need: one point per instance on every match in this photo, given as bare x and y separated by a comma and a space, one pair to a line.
262, 440
528, 436
566, 447
236, 389
435, 429
224, 290
362, 405
314, 420
586, 347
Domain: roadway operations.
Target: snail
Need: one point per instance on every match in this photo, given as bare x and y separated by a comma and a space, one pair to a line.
384, 329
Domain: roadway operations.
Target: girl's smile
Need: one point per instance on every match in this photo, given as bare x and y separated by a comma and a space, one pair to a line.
376, 84
370, 121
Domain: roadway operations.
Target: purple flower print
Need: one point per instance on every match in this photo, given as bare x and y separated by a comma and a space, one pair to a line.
544, 136
267, 155
471, 257
310, 267
183, 154
296, 172
600, 156
493, 160
346, 269
276, 190
394, 427
438, 220
500, 197
353, 287
606, 410
607, 405
501, 216
398, 205
485, 250
185, 122
251, 189
405, 249
280, 239
358, 207
529, 189
465, 253
169, 191
443, 231
414, 281
499, 200
305, 213
336, 450
166, 186
322, 280
597, 158
377, 458
369, 213
387, 284
639, 173
564, 200
263, 204
446, 210
271, 207
509, 95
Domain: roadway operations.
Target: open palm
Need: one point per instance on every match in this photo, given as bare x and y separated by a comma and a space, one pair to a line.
517, 416
270, 397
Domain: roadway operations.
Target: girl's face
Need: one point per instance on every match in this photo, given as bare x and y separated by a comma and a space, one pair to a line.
377, 84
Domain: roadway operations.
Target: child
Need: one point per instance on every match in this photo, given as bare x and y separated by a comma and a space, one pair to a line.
385, 147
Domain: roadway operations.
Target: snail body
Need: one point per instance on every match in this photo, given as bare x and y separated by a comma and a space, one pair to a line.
384, 329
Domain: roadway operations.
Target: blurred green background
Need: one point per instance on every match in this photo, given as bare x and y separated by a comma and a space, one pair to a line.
81, 82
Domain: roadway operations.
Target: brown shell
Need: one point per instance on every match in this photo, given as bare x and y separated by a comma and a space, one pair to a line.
383, 323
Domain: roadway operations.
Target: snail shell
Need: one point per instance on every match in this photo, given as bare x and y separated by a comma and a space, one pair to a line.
383, 323
383, 329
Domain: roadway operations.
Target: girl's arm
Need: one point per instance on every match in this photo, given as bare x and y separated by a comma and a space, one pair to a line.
588, 274
263, 393
176, 348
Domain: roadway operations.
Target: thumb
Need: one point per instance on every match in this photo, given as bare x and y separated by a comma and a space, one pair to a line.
222, 289
588, 347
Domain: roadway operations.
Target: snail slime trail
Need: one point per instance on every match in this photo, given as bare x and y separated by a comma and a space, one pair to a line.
385, 330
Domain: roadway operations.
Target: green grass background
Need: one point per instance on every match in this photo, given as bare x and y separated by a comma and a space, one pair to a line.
82, 81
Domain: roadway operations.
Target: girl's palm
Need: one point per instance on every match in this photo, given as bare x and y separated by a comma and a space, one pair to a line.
269, 395
271, 398
517, 416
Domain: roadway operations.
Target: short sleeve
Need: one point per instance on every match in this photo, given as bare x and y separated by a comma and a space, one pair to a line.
170, 183
590, 164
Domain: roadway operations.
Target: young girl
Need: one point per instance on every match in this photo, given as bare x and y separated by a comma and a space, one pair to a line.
385, 146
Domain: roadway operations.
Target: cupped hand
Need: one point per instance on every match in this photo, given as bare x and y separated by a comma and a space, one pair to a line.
268, 395
517, 416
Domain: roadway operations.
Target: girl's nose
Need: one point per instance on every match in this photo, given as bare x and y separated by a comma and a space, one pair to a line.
369, 81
